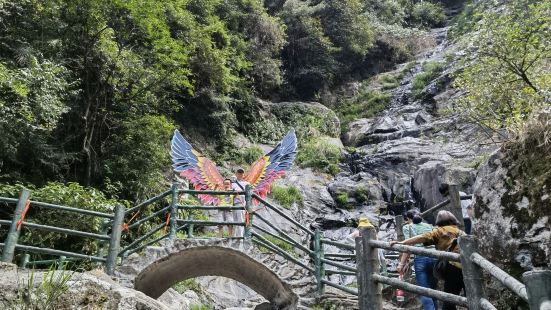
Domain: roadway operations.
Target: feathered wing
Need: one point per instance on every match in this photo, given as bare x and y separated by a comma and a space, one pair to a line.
196, 168
273, 165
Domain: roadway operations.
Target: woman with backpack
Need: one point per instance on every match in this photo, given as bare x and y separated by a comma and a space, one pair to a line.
423, 265
444, 238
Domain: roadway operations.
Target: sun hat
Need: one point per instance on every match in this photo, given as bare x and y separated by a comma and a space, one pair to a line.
365, 223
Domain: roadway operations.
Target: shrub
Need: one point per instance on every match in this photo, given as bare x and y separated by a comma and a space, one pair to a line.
361, 194
431, 70
286, 196
248, 155
367, 103
319, 154
70, 194
285, 246
428, 14
187, 285
342, 200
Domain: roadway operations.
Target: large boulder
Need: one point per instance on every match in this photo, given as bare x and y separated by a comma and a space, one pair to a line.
512, 201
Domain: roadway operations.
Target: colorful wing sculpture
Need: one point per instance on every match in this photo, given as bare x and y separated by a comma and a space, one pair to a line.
203, 174
273, 165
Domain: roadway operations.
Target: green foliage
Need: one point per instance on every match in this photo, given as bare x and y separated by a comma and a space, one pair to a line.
247, 156
361, 194
428, 14
200, 307
138, 157
286, 196
342, 200
431, 70
318, 154
367, 103
186, 285
285, 246
45, 295
465, 21
508, 76
72, 195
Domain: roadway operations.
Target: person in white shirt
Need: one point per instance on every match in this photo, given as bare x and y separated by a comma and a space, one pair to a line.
239, 184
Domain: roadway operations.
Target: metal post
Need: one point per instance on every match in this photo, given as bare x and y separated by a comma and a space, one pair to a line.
25, 260
370, 295
472, 273
318, 253
115, 241
247, 234
13, 233
455, 204
101, 243
60, 262
399, 220
538, 287
173, 212
190, 226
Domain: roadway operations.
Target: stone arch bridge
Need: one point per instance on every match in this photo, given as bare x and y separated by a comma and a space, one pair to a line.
276, 279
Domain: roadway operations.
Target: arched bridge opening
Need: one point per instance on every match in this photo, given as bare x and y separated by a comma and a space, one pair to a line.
194, 262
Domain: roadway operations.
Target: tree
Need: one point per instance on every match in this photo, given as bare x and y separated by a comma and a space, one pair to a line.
508, 75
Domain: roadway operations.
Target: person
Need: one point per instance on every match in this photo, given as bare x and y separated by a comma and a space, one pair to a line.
444, 237
467, 212
224, 216
423, 265
239, 201
365, 223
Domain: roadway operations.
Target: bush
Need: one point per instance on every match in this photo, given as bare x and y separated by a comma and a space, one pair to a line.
361, 194
367, 103
342, 200
187, 285
428, 14
286, 196
285, 246
319, 154
431, 70
248, 155
70, 194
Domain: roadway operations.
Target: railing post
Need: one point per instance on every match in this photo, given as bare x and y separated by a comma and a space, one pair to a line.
538, 288
370, 295
13, 233
115, 241
60, 262
25, 260
318, 255
247, 234
173, 212
101, 243
455, 204
190, 226
399, 220
472, 273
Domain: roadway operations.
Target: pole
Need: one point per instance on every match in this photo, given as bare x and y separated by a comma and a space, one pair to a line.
538, 287
25, 260
472, 273
115, 241
13, 233
173, 212
399, 220
370, 295
455, 204
318, 255
247, 234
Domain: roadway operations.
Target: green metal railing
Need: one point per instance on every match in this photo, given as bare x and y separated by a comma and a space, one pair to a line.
162, 217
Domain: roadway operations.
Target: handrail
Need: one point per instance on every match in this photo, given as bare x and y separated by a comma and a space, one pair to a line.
210, 223
149, 201
34, 249
284, 234
148, 244
70, 209
338, 244
208, 208
66, 231
443, 203
147, 218
215, 193
300, 246
282, 252
142, 238
415, 250
267, 204
486, 305
447, 297
340, 287
511, 283
8, 200
342, 266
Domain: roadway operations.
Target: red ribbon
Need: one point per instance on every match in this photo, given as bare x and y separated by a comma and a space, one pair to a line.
23, 214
